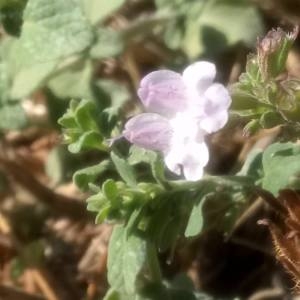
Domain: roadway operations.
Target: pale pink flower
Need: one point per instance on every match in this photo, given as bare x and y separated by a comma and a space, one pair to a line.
182, 109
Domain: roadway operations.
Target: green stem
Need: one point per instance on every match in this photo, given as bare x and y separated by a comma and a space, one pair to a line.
181, 185
153, 263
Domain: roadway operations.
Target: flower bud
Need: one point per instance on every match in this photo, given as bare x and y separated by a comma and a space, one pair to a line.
272, 51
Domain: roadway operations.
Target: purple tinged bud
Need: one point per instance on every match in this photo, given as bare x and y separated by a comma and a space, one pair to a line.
163, 92
150, 131
272, 51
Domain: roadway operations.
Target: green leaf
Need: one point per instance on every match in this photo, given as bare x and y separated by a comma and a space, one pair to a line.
110, 191
138, 155
80, 115
124, 169
30, 78
126, 258
109, 43
252, 127
84, 115
209, 26
81, 129
252, 165
97, 11
87, 141
117, 91
12, 116
112, 295
74, 82
134, 220
195, 222
68, 119
8, 3
160, 4
103, 213
96, 202
158, 169
51, 31
55, 29
84, 177
115, 94
270, 119
4, 83
280, 165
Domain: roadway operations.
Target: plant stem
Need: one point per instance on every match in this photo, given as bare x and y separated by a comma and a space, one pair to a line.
182, 185
153, 262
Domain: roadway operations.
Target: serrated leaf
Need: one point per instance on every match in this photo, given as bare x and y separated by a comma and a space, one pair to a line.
96, 202
68, 120
97, 11
126, 258
110, 191
86, 176
138, 155
80, 115
280, 165
87, 141
84, 113
124, 169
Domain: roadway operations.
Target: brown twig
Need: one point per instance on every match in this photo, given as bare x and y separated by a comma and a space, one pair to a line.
59, 204
10, 293
44, 285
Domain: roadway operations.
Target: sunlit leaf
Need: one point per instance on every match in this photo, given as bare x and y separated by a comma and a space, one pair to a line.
281, 165
126, 257
124, 169
51, 32
97, 11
